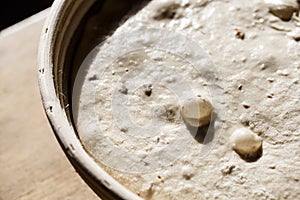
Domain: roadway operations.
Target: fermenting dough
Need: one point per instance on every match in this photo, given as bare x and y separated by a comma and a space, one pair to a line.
129, 120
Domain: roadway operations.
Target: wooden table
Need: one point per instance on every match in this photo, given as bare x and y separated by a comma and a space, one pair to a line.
32, 165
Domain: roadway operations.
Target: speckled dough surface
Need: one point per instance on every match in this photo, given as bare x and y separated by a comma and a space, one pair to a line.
129, 95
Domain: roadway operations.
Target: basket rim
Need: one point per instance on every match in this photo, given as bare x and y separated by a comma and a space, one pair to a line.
96, 177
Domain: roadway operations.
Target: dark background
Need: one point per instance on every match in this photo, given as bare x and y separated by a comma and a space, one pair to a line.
13, 11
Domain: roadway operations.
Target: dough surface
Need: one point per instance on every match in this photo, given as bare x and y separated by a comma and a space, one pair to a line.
127, 100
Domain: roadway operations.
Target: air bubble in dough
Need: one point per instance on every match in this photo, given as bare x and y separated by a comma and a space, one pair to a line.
196, 111
283, 9
245, 142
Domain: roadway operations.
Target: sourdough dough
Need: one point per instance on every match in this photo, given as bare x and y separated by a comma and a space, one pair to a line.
128, 94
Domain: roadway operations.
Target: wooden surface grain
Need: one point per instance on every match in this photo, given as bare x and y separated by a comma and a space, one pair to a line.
32, 165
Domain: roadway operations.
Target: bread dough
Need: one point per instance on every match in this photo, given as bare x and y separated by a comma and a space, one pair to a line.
238, 55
